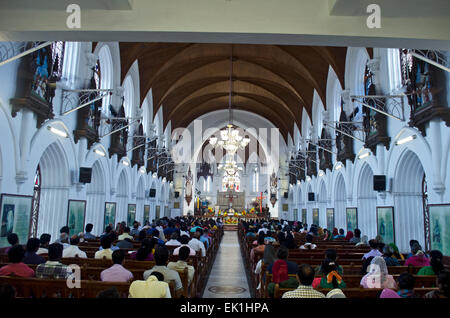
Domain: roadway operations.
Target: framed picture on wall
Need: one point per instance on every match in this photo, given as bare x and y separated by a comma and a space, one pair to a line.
176, 205
110, 214
439, 227
157, 212
352, 219
131, 216
304, 219
285, 207
295, 214
146, 214
316, 216
16, 217
385, 224
75, 216
330, 219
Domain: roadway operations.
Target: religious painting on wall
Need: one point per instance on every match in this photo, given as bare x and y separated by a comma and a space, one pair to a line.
75, 216
385, 224
330, 219
295, 214
15, 216
131, 216
285, 207
352, 219
110, 214
304, 214
158, 212
439, 229
176, 205
146, 214
316, 216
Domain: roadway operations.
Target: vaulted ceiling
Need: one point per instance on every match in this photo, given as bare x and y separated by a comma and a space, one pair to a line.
273, 81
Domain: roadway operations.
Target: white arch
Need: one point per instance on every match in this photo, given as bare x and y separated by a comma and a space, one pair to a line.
53, 207
122, 196
322, 202
340, 201
367, 202
408, 204
8, 146
95, 197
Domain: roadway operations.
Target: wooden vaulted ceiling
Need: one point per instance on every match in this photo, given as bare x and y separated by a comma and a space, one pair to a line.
273, 81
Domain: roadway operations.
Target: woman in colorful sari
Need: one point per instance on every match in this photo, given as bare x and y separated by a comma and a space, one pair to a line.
349, 236
331, 278
378, 276
396, 253
436, 265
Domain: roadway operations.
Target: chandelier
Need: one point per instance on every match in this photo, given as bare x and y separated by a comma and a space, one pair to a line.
230, 167
230, 140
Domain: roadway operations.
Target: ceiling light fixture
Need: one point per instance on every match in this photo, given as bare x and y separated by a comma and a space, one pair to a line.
230, 140
364, 155
58, 132
321, 173
99, 152
338, 166
406, 139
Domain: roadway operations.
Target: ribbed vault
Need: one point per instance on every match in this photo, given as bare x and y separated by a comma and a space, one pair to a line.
276, 82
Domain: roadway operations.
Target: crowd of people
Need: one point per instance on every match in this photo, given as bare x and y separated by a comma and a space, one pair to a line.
188, 235
274, 238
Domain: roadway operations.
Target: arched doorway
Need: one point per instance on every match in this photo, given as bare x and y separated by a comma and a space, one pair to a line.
340, 202
95, 197
54, 192
408, 201
367, 203
122, 198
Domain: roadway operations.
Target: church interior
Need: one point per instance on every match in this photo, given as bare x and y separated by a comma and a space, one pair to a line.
250, 144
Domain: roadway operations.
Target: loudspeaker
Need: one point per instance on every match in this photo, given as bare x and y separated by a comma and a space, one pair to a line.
379, 183
85, 175
177, 194
152, 193
310, 196
286, 195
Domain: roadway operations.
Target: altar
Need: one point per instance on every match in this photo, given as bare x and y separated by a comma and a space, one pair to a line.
231, 199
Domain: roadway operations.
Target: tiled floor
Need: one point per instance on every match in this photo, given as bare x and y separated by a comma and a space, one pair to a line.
227, 278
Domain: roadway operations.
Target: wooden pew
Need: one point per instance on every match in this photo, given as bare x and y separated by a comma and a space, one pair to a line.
353, 292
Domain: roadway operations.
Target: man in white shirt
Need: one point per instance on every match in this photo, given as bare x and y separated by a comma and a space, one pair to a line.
173, 240
73, 250
196, 244
126, 234
263, 229
45, 241
184, 240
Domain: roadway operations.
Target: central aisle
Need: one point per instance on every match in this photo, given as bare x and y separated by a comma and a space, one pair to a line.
228, 278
